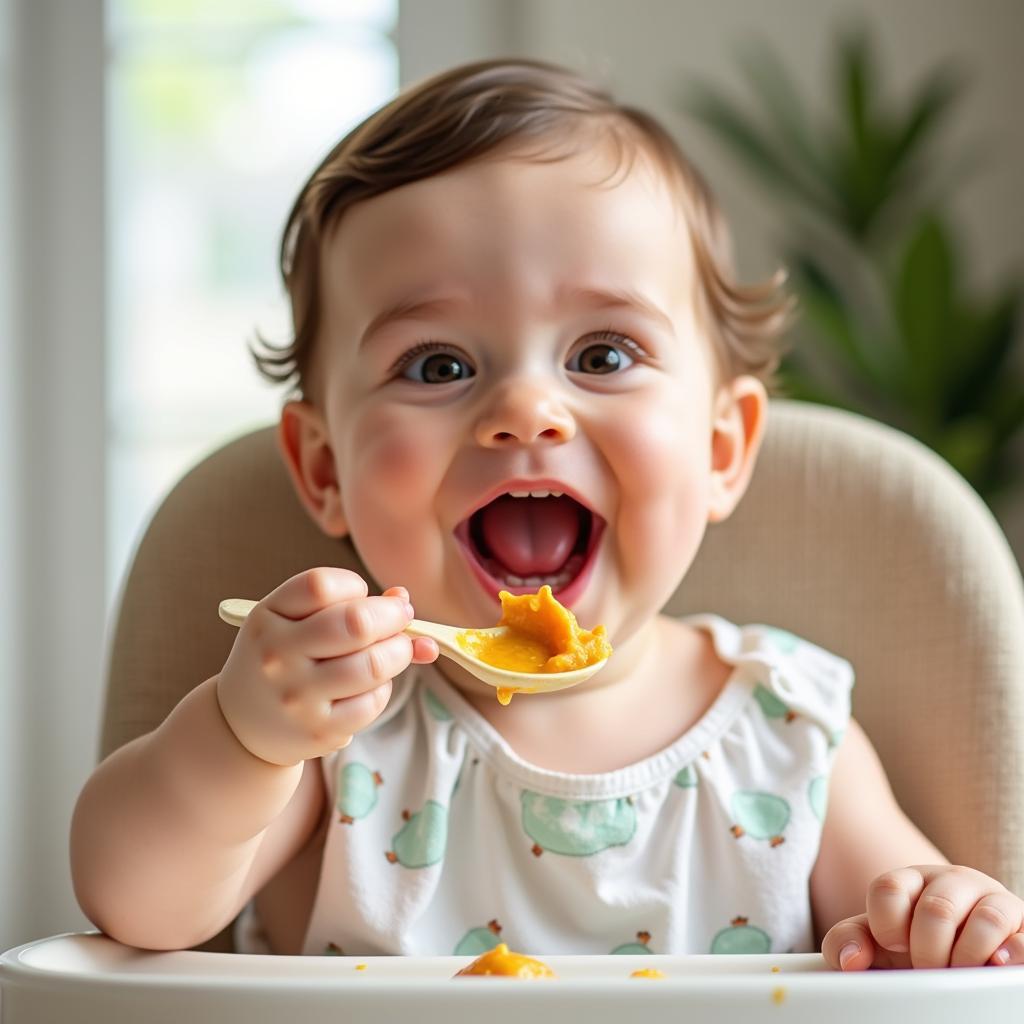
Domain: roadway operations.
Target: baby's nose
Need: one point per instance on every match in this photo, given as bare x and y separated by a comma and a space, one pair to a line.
523, 412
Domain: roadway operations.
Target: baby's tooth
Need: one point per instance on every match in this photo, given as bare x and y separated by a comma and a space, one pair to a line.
532, 581
535, 494
514, 581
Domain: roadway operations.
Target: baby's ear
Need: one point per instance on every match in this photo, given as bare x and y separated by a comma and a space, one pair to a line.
738, 420
305, 444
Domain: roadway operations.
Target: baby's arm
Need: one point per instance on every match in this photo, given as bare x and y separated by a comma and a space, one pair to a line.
863, 895
174, 832
168, 829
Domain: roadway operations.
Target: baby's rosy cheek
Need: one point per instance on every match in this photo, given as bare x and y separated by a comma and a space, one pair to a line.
390, 460
390, 448
662, 477
654, 456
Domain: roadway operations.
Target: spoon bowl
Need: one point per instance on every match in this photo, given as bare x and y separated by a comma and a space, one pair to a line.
235, 611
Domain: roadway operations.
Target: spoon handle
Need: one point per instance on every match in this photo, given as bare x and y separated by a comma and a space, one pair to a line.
235, 610
444, 635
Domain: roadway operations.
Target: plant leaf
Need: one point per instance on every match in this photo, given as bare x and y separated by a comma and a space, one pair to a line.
904, 160
1008, 414
923, 313
982, 345
861, 154
855, 73
735, 132
796, 383
869, 174
773, 87
830, 316
927, 109
966, 444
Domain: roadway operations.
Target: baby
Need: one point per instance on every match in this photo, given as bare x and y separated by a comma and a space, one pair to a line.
520, 359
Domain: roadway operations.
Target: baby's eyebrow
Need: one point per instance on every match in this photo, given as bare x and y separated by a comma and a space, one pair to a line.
597, 298
407, 308
615, 298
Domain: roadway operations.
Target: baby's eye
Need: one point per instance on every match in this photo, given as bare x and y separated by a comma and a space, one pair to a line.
433, 366
602, 357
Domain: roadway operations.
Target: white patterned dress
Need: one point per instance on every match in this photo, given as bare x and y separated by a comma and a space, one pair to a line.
442, 840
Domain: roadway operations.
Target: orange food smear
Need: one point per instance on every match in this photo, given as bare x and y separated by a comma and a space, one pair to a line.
505, 693
647, 972
542, 636
499, 961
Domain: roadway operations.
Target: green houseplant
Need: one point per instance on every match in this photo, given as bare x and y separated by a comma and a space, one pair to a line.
889, 326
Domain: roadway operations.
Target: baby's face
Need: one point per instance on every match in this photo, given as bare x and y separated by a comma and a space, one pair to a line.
511, 328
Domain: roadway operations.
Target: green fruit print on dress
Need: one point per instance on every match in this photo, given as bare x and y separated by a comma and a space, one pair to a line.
741, 938
577, 828
436, 708
421, 841
357, 792
817, 795
771, 705
686, 778
760, 816
782, 640
639, 946
479, 940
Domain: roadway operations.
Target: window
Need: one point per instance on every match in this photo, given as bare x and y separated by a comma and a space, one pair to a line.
217, 111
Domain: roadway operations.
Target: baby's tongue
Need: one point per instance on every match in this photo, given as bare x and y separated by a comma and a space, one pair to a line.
531, 536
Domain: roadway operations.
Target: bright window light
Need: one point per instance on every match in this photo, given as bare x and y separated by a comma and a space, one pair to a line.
217, 112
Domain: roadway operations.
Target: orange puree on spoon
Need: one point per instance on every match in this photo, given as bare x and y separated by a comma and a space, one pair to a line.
499, 961
541, 636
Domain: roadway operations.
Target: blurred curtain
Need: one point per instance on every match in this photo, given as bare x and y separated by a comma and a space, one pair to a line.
51, 446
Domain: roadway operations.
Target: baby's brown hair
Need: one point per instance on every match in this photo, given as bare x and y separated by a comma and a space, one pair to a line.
467, 112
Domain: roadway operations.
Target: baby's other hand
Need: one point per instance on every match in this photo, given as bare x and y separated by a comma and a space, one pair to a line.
312, 664
930, 916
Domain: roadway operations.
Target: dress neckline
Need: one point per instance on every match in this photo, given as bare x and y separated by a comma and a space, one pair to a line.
658, 767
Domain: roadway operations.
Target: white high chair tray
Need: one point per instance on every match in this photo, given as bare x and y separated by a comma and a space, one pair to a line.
88, 979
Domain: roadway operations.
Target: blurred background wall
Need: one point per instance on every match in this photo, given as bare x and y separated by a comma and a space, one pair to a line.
149, 152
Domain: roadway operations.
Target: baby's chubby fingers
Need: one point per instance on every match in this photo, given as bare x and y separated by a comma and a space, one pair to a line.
880, 937
890, 902
850, 946
424, 650
949, 896
309, 591
930, 916
315, 642
335, 679
995, 920
348, 627
1009, 952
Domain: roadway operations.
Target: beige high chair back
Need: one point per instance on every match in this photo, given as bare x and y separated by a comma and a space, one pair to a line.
851, 535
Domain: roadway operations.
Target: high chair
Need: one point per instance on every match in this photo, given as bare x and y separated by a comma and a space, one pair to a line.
852, 535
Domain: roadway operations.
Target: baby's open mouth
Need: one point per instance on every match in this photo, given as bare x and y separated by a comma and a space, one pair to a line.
523, 540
